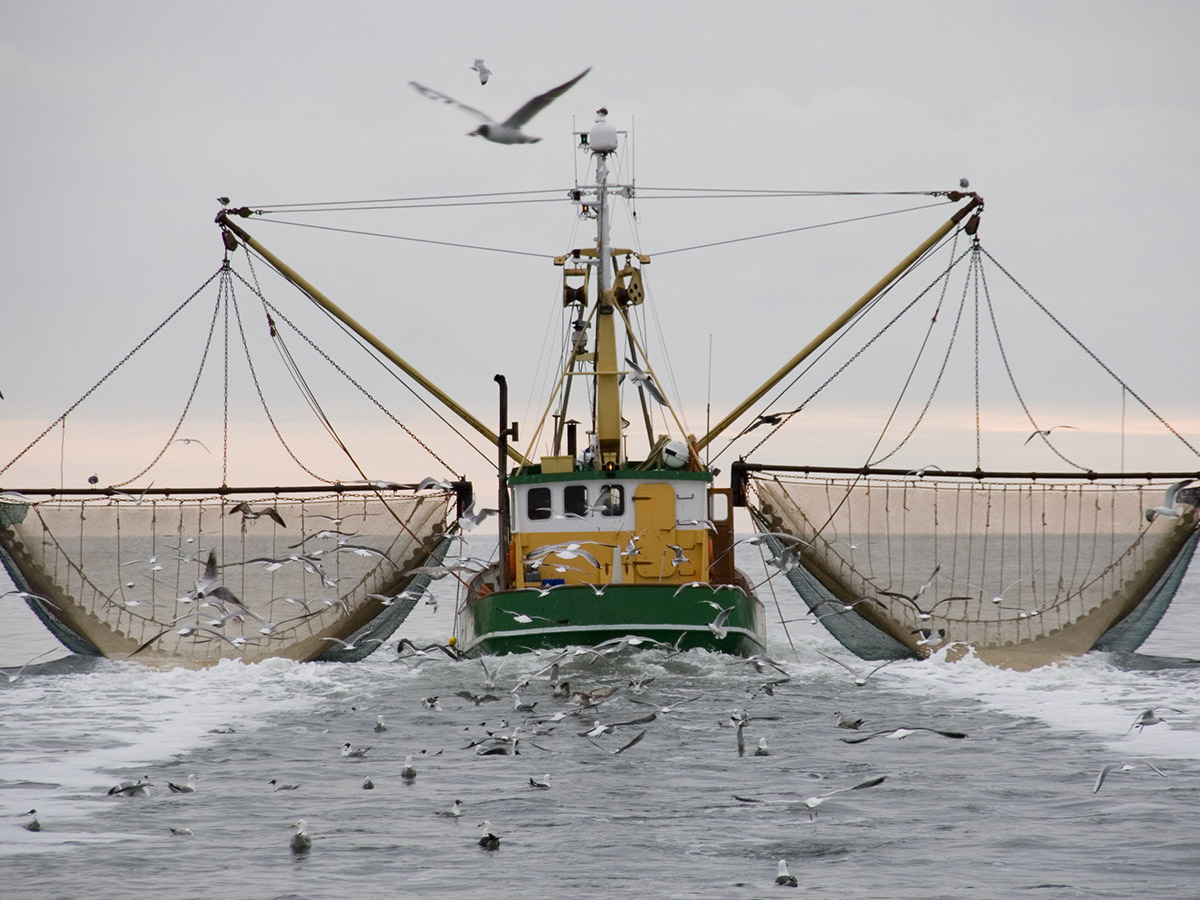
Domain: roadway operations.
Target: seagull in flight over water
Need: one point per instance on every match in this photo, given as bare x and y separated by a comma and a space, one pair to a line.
509, 131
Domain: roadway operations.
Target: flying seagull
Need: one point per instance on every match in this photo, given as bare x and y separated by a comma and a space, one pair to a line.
901, 733
859, 678
1150, 716
509, 131
484, 72
643, 380
1169, 507
1121, 767
1045, 432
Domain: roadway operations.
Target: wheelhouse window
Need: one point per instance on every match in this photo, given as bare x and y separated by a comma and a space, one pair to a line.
575, 500
612, 500
537, 503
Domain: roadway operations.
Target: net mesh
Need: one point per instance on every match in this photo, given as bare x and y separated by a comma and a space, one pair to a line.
123, 574
1041, 569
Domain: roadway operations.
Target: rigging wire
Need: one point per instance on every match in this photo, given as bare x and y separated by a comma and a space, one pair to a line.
1086, 350
415, 240
796, 230
140, 344
378, 203
844, 333
386, 368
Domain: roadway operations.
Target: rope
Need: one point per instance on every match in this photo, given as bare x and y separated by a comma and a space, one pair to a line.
63, 418
1086, 350
212, 325
414, 240
272, 312
1012, 378
798, 229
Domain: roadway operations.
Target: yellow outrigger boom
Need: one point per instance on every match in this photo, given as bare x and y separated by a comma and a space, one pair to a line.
295, 278
836, 325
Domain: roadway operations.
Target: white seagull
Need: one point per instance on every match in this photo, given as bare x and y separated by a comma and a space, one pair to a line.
301, 840
1045, 432
1121, 767
509, 131
484, 72
1169, 507
784, 878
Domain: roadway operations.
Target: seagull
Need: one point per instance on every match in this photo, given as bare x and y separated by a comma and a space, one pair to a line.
469, 519
17, 674
901, 733
845, 722
920, 473
846, 607
1045, 432
767, 419
301, 840
249, 514
186, 441
429, 482
188, 787
349, 752
454, 811
353, 645
368, 784
130, 788
484, 72
813, 802
543, 785
645, 381
997, 598
34, 825
283, 787
1121, 767
1150, 717
859, 678
509, 131
783, 877
137, 501
409, 772
379, 726
636, 739
180, 832
931, 637
923, 614
717, 625
1169, 507
489, 841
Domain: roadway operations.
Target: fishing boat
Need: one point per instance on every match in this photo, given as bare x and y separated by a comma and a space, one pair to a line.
611, 538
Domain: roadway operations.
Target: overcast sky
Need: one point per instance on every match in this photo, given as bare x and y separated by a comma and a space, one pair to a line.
1079, 123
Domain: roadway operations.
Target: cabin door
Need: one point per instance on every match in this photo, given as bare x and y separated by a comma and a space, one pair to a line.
654, 521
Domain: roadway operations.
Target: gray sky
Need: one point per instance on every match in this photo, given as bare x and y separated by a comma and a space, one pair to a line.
1078, 122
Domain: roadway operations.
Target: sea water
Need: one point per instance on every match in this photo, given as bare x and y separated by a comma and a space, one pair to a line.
1008, 811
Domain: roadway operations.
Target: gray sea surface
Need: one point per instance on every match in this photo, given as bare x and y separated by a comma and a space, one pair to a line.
1008, 811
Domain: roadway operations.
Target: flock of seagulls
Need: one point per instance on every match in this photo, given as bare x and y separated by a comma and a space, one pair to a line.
598, 711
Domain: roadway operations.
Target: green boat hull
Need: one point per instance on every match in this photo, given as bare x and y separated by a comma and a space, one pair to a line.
575, 615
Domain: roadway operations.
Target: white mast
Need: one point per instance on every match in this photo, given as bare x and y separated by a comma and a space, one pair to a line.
602, 140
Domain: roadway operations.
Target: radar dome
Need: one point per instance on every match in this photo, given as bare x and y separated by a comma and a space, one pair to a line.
675, 454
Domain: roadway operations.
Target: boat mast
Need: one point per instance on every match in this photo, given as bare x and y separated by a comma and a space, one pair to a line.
602, 140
